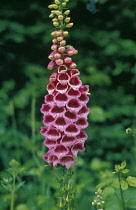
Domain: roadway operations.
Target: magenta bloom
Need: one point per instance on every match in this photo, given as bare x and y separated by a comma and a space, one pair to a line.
64, 111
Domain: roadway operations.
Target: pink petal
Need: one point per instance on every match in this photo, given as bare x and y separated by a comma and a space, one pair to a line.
45, 108
43, 130
48, 119
68, 141
83, 99
63, 78
72, 130
57, 111
76, 147
70, 116
74, 105
50, 88
50, 143
52, 133
84, 89
53, 76
61, 99
62, 88
67, 160
73, 93
62, 69
83, 112
60, 123
60, 150
82, 123
49, 99
82, 136
75, 82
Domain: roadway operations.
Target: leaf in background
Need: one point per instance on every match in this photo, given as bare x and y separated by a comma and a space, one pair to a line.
19, 185
131, 181
108, 191
124, 185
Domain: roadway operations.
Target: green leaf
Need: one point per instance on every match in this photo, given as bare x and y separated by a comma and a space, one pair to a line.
108, 191
124, 185
112, 203
19, 185
125, 171
123, 164
131, 181
7, 187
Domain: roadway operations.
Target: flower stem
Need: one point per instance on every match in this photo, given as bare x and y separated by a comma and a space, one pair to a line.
67, 194
121, 192
13, 194
33, 104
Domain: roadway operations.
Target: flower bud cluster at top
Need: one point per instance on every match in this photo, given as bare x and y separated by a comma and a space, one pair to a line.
65, 111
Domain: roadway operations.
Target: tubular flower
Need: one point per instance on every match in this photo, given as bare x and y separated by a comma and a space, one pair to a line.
65, 106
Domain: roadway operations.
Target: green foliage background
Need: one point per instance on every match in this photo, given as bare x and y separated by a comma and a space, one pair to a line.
107, 52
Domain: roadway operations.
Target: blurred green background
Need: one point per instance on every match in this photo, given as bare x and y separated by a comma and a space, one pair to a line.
107, 53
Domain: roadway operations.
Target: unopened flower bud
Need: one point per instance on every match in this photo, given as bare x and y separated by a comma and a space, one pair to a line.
57, 12
51, 15
60, 17
72, 65
65, 33
63, 42
69, 25
67, 20
66, 1
54, 19
55, 40
57, 2
67, 12
55, 23
51, 56
53, 11
59, 61
60, 38
54, 47
50, 6
61, 49
55, 6
67, 59
64, 4
53, 33
58, 33
57, 55
93, 204
51, 65
69, 52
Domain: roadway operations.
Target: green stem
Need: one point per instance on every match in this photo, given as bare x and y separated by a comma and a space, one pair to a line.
33, 104
13, 194
14, 129
121, 192
66, 200
61, 21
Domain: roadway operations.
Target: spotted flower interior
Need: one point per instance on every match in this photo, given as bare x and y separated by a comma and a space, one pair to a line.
65, 106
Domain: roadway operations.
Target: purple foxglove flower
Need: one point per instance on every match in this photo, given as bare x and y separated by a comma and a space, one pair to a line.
63, 78
78, 146
65, 106
67, 160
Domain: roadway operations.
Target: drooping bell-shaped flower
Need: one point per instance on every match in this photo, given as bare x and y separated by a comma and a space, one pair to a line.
65, 106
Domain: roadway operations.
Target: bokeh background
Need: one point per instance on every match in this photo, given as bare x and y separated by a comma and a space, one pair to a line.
105, 38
